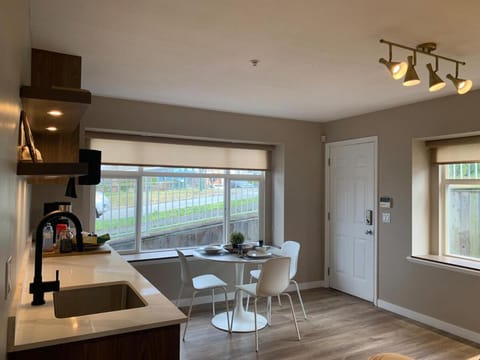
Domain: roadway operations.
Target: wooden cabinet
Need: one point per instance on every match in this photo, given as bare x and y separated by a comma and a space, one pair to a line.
151, 344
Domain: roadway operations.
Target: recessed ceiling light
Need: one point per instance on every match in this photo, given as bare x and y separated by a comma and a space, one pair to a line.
55, 113
52, 128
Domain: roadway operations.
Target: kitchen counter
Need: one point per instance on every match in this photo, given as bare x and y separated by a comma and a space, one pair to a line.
37, 326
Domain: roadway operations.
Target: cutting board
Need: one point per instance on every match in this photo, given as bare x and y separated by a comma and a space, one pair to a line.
102, 250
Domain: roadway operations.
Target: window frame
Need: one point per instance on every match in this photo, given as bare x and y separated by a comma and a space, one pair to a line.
228, 177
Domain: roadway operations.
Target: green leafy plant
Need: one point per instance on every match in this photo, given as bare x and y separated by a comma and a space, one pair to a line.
236, 237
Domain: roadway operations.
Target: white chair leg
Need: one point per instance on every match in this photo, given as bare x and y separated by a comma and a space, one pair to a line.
279, 301
213, 302
179, 294
269, 311
248, 296
233, 311
226, 306
293, 314
256, 329
188, 316
300, 298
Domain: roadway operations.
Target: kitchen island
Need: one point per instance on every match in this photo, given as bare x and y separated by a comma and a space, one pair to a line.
150, 331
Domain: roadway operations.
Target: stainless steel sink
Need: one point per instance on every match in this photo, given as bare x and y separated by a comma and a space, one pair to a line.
99, 298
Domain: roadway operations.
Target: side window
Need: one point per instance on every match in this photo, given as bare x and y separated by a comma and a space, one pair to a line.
461, 206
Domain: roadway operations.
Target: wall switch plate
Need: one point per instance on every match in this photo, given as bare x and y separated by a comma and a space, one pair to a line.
386, 202
8, 277
386, 217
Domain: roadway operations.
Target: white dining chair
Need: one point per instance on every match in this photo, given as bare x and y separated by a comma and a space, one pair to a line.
198, 283
273, 281
292, 250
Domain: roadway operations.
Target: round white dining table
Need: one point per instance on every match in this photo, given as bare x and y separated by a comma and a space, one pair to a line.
244, 320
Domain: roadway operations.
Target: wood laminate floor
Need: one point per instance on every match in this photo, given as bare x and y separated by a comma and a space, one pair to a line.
339, 326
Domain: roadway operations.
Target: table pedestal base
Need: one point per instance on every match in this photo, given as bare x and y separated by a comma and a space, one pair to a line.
243, 322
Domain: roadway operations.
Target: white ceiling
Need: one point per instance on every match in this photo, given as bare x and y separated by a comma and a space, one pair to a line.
318, 58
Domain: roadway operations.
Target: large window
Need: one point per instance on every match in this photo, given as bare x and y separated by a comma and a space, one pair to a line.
160, 208
460, 201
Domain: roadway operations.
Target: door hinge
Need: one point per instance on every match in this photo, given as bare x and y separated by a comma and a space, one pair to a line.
328, 216
328, 271
328, 161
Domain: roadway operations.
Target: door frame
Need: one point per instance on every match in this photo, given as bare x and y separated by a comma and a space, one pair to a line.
328, 146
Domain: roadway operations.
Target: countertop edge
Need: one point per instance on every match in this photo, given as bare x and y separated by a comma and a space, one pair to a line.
17, 307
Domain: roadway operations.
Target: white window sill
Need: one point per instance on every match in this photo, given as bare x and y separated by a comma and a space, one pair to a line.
447, 263
154, 256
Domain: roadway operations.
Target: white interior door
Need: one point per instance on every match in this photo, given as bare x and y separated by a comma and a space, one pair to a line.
351, 210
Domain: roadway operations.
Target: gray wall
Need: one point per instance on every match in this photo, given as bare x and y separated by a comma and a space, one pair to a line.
14, 63
445, 295
300, 148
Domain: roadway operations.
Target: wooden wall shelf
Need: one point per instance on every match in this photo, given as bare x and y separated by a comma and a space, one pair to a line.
38, 101
51, 169
55, 85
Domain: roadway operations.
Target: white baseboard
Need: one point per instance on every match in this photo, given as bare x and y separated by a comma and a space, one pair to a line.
308, 285
428, 320
219, 297
204, 299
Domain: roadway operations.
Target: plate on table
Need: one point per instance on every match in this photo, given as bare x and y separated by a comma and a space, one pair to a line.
212, 249
258, 255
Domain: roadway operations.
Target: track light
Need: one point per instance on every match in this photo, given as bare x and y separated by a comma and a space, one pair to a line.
399, 69
411, 77
463, 86
435, 83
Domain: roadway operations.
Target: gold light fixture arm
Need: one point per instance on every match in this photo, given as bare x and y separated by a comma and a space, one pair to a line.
421, 50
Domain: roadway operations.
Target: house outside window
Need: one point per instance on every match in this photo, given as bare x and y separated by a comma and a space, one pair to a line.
460, 202
161, 208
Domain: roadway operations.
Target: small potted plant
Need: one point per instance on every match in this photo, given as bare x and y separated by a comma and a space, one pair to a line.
236, 237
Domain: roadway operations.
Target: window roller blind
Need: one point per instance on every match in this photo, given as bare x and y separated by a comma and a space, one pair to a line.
456, 150
146, 153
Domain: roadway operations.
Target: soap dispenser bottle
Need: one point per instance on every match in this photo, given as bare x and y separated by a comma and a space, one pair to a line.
47, 237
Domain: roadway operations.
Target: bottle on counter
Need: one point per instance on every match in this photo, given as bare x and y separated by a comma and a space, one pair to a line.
60, 227
65, 239
47, 237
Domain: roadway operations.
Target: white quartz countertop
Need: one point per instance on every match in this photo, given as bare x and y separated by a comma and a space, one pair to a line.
37, 326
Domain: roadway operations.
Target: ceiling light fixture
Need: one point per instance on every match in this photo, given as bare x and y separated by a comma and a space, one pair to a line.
463, 86
397, 69
55, 113
435, 82
400, 69
52, 128
411, 76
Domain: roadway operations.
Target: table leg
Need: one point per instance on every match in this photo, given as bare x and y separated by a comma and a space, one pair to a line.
244, 321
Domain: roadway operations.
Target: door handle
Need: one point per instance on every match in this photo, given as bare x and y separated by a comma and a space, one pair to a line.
369, 232
369, 217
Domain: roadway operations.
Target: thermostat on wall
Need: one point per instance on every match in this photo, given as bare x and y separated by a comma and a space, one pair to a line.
385, 202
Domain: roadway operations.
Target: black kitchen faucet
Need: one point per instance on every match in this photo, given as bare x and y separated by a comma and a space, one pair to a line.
38, 287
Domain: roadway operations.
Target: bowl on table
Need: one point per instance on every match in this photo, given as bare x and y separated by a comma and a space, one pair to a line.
246, 247
212, 249
234, 250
